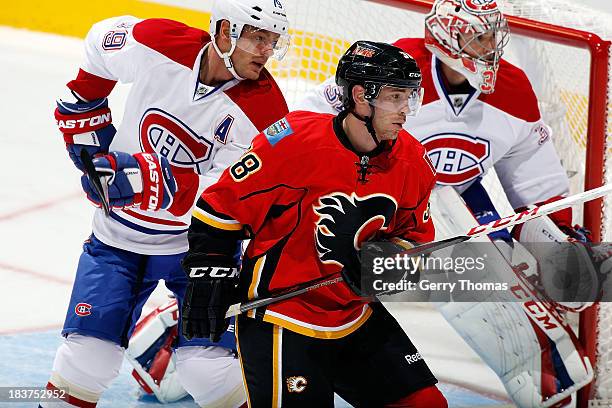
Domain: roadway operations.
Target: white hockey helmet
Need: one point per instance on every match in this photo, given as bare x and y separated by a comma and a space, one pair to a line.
261, 14
469, 36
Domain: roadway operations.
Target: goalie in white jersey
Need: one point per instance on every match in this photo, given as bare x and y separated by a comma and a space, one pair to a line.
480, 112
196, 101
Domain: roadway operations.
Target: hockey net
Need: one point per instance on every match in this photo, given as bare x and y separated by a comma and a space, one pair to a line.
568, 62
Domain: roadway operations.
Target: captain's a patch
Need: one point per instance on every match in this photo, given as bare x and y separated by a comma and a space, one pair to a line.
278, 131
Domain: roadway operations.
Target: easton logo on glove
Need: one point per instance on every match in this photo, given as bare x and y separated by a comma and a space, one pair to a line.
86, 122
213, 272
154, 182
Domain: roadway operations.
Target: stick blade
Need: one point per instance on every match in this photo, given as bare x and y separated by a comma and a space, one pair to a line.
94, 177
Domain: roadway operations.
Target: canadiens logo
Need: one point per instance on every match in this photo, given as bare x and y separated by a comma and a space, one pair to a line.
82, 309
479, 6
296, 384
346, 221
457, 158
165, 134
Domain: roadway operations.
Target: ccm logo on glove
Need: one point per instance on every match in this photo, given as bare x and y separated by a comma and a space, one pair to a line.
213, 272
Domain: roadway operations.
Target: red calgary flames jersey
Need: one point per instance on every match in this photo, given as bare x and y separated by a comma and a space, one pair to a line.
297, 191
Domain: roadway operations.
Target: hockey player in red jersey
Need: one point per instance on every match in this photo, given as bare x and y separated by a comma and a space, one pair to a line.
480, 112
312, 188
197, 100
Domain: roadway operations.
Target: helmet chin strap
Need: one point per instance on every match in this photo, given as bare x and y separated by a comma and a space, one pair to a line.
226, 57
368, 123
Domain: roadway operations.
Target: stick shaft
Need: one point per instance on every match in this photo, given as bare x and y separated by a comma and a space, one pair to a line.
477, 231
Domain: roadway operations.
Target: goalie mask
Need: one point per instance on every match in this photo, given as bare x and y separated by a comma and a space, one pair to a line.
255, 25
375, 66
469, 36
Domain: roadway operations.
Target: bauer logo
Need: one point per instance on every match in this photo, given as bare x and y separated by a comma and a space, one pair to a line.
82, 309
457, 158
162, 133
479, 6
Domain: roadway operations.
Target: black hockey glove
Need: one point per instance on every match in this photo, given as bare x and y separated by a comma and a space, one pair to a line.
210, 292
359, 269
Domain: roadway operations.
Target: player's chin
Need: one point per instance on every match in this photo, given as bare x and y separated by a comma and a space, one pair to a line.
252, 71
391, 134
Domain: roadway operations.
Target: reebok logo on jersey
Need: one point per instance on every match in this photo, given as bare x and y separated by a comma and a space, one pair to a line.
457, 158
296, 384
413, 358
213, 272
85, 123
82, 309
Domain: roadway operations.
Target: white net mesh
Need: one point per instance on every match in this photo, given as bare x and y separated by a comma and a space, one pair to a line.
322, 30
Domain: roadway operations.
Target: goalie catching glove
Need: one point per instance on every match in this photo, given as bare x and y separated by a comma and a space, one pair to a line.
572, 271
210, 292
143, 180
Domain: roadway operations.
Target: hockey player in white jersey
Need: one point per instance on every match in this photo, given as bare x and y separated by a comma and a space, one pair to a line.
196, 101
480, 112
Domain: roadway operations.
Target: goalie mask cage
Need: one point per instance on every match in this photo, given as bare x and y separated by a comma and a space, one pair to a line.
563, 48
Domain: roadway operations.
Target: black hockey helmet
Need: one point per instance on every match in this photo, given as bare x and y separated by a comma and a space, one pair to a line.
373, 65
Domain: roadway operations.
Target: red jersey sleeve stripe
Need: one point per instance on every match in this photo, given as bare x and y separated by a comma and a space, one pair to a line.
90, 86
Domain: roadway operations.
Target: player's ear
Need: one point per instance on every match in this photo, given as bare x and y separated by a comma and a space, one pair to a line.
358, 94
223, 36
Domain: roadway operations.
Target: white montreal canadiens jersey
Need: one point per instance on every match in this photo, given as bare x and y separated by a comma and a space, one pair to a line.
466, 135
201, 130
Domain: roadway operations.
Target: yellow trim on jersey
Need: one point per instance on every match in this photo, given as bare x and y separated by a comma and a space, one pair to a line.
244, 381
255, 282
216, 222
319, 334
277, 366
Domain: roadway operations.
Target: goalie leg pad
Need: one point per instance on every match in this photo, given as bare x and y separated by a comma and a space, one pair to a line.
522, 339
150, 352
86, 366
212, 376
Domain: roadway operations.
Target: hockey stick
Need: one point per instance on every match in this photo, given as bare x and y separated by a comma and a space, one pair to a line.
94, 177
477, 231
